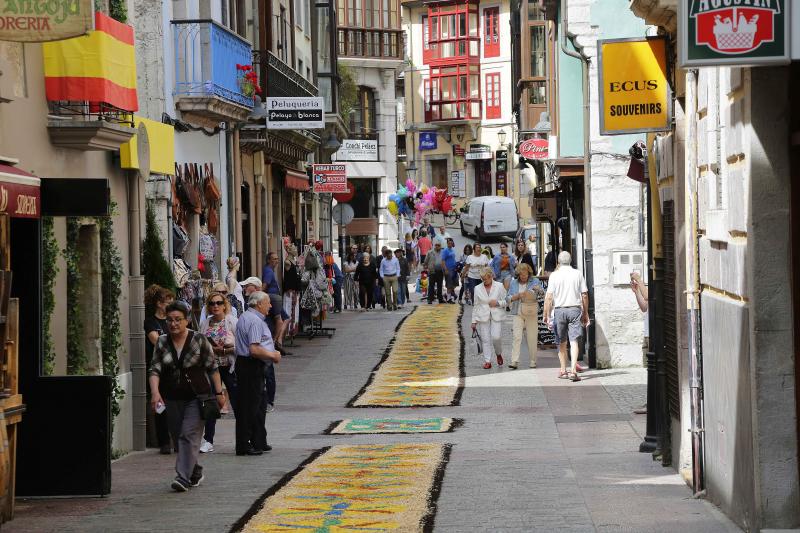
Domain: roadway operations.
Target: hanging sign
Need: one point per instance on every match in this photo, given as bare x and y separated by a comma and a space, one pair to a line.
291, 113
479, 151
39, 21
358, 150
330, 178
733, 32
534, 149
635, 96
459, 151
427, 140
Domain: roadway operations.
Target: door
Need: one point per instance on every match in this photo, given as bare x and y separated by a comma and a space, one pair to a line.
491, 32
483, 177
439, 173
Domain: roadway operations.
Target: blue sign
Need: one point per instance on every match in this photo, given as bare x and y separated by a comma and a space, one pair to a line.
427, 140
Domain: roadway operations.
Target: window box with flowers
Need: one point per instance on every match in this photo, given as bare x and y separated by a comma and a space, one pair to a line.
248, 81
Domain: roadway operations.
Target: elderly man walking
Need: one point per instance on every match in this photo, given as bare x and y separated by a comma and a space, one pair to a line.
568, 296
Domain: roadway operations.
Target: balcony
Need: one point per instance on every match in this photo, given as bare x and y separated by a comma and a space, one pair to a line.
89, 126
370, 44
281, 79
207, 89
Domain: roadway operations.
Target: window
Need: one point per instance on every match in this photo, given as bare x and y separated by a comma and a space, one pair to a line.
426, 99
455, 92
451, 32
362, 120
493, 95
283, 45
538, 58
491, 32
426, 40
369, 14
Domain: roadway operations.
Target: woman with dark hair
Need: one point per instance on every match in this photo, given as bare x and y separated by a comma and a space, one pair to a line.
522, 255
156, 300
460, 267
184, 370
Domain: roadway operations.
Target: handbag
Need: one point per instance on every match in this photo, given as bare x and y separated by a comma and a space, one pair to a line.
478, 341
210, 187
185, 188
198, 381
180, 240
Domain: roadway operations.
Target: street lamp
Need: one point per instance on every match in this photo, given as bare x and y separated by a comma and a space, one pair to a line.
333, 143
501, 136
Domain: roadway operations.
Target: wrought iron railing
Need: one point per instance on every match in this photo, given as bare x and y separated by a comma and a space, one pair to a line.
281, 79
82, 110
206, 56
381, 44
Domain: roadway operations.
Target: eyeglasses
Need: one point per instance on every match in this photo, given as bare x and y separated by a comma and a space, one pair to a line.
175, 320
216, 302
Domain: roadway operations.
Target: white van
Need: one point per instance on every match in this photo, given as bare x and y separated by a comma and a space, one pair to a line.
490, 216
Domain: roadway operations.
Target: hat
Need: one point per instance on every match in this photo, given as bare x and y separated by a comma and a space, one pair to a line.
252, 280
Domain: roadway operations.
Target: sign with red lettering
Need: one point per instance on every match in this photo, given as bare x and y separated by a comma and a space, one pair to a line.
330, 178
734, 32
534, 149
19, 200
36, 21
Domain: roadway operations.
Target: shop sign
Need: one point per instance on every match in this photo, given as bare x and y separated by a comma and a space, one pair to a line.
291, 113
427, 140
19, 200
39, 21
534, 149
501, 167
458, 184
458, 150
733, 32
358, 150
479, 151
330, 178
635, 96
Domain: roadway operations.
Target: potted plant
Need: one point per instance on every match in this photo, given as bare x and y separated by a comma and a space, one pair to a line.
248, 80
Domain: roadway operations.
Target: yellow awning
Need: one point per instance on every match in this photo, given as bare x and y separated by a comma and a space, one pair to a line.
161, 138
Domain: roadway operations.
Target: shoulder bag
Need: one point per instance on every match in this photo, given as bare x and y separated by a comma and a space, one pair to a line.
201, 386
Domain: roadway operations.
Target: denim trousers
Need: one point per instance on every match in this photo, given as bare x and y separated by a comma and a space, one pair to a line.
186, 428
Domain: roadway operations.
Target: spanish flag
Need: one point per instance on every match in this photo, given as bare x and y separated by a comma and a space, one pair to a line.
99, 67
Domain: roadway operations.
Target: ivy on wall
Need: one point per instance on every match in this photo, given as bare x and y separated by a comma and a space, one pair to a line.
77, 360
118, 10
50, 270
112, 270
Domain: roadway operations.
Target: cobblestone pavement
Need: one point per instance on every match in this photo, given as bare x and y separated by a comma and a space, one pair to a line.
534, 453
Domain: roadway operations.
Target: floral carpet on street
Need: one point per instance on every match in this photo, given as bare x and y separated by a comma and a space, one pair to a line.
423, 366
355, 488
356, 426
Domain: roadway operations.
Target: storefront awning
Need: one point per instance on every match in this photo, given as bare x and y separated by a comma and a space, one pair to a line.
296, 180
19, 193
160, 143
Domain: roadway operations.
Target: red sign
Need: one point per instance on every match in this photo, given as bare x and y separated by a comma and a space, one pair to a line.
734, 30
534, 149
459, 151
330, 178
345, 197
19, 193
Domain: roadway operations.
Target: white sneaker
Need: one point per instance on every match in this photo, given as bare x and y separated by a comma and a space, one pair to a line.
270, 407
206, 447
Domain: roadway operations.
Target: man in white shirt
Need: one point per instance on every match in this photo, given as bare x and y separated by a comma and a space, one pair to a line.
441, 237
568, 296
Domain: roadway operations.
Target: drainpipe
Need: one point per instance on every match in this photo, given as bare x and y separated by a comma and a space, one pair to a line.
136, 312
693, 291
591, 347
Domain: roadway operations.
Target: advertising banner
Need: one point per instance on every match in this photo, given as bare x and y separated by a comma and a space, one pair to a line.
733, 33
534, 148
330, 178
358, 150
37, 22
427, 140
635, 96
291, 113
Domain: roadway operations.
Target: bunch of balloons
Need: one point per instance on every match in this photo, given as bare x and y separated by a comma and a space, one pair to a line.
411, 200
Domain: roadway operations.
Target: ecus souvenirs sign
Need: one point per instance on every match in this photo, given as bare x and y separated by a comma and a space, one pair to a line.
635, 96
734, 32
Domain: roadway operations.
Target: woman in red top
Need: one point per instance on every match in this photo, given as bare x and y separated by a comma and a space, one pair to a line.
424, 244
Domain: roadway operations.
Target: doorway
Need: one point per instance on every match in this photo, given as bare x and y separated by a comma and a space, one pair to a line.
246, 259
483, 177
439, 173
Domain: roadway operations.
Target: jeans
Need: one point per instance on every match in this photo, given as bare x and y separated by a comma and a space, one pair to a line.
402, 293
390, 287
337, 296
230, 385
471, 284
250, 430
435, 284
186, 428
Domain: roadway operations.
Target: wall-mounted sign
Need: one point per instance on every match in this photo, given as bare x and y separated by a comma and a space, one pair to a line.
458, 150
36, 22
733, 32
458, 184
479, 151
358, 150
427, 140
285, 113
330, 178
635, 96
534, 149
501, 166
345, 197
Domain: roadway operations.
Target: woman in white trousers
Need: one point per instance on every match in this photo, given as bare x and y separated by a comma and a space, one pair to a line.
488, 314
523, 296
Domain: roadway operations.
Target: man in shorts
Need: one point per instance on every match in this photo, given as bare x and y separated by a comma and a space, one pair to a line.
568, 297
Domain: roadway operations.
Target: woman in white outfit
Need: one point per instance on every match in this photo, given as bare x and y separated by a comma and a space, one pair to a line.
523, 294
488, 314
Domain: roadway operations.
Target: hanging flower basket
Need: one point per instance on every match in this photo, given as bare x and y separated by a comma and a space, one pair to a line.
248, 80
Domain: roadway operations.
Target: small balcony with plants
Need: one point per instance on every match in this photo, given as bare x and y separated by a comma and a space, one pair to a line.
214, 79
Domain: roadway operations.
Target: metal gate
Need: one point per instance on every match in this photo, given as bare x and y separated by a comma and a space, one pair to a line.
670, 309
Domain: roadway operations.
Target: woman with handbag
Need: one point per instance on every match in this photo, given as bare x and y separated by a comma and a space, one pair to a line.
523, 295
219, 327
488, 314
184, 369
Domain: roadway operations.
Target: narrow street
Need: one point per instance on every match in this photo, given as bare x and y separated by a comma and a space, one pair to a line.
526, 451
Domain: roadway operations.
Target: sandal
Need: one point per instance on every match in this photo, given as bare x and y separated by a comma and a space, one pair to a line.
575, 377
563, 375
